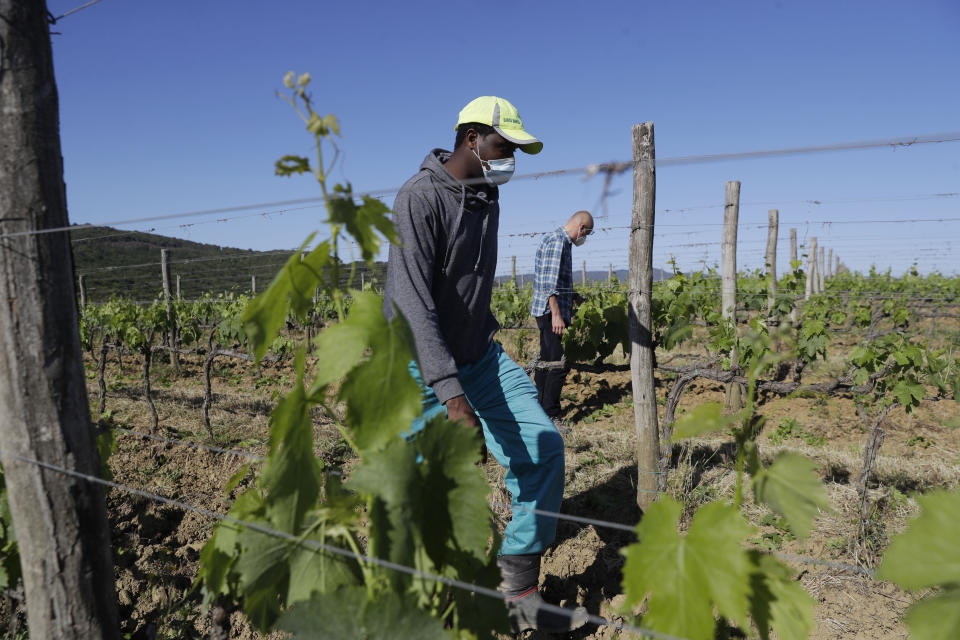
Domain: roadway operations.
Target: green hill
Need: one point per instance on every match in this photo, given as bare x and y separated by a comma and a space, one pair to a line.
127, 263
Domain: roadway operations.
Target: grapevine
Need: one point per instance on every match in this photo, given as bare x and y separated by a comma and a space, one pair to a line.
420, 503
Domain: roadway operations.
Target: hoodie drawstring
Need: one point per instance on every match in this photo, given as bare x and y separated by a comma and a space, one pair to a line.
456, 230
483, 237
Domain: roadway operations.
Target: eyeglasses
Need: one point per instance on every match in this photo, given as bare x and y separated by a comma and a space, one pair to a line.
587, 231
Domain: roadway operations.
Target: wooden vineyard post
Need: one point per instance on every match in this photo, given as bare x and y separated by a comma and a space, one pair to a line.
836, 267
610, 273
178, 287
814, 267
171, 318
83, 291
363, 281
795, 311
830, 263
809, 289
513, 269
253, 284
583, 274
60, 520
728, 284
640, 283
820, 272
773, 227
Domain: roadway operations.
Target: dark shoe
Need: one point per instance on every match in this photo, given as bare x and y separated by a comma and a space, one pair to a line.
528, 613
525, 605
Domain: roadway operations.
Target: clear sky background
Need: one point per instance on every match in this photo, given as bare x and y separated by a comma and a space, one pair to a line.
170, 107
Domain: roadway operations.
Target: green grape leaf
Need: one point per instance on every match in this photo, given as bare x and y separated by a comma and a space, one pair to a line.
686, 576
329, 616
291, 473
860, 376
332, 123
791, 488
936, 617
390, 618
455, 483
313, 571
341, 347
264, 562
391, 474
362, 222
106, 445
236, 478
433, 496
704, 418
908, 393
778, 601
346, 615
290, 292
719, 526
924, 555
385, 376
291, 165
213, 570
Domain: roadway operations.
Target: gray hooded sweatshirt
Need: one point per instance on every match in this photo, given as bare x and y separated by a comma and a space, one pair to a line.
440, 275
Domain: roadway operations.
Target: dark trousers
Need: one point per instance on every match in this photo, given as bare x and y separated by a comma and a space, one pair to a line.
549, 381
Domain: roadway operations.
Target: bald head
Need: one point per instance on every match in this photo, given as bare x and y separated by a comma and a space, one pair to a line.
581, 217
579, 226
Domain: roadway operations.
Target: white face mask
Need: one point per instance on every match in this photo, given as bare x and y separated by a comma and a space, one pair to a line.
583, 237
500, 171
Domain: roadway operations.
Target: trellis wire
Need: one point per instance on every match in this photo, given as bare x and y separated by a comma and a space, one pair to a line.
319, 546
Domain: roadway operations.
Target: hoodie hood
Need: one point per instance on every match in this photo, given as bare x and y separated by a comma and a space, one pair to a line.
474, 199
440, 275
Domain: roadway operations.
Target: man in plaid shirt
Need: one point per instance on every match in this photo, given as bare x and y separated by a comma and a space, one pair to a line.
552, 304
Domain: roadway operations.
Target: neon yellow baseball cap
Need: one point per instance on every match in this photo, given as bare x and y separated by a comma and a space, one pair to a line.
503, 117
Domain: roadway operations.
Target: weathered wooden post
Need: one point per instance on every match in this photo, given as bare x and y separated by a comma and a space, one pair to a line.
610, 273
640, 282
60, 519
513, 268
583, 274
795, 311
728, 284
363, 281
814, 267
830, 263
83, 291
773, 228
178, 286
821, 270
253, 284
171, 317
809, 289
836, 267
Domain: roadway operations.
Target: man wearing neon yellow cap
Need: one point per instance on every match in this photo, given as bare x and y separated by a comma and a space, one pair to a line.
440, 276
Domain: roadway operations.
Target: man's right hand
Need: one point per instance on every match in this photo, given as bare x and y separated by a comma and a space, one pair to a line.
558, 324
459, 409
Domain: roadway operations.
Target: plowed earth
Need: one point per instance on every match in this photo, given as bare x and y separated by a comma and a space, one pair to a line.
156, 546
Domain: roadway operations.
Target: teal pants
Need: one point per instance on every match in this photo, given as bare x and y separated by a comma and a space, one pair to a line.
519, 435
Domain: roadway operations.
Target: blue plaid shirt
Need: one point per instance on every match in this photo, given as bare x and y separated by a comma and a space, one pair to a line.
553, 274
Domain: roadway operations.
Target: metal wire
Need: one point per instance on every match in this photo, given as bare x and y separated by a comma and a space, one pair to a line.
587, 170
541, 512
319, 546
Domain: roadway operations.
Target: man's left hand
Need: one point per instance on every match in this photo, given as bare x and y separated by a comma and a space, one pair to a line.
558, 324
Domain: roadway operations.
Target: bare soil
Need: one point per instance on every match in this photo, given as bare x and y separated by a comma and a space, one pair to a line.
157, 546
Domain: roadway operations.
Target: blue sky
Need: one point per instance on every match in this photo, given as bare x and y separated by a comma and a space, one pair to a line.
171, 107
